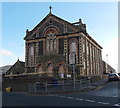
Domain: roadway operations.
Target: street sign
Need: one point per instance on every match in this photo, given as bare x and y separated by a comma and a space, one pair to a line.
73, 47
72, 59
62, 75
68, 76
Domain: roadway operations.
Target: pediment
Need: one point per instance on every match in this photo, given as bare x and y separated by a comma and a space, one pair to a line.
48, 22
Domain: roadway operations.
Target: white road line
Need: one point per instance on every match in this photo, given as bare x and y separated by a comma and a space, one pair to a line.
114, 96
62, 96
51, 95
56, 95
103, 103
118, 105
70, 97
90, 100
86, 100
78, 99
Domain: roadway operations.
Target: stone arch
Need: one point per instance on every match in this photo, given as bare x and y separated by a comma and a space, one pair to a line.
40, 69
61, 70
51, 27
50, 69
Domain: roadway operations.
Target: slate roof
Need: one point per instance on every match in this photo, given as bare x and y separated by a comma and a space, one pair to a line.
17, 68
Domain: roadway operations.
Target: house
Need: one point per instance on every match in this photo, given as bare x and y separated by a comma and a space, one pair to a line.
17, 69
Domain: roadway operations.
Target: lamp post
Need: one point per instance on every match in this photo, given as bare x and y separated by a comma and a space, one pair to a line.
106, 63
72, 59
74, 78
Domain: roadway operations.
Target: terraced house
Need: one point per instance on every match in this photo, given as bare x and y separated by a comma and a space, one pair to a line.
54, 45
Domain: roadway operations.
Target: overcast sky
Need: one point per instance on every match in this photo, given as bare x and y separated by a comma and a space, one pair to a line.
101, 19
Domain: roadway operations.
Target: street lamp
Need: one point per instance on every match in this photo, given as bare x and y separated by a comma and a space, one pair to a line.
74, 78
106, 63
72, 59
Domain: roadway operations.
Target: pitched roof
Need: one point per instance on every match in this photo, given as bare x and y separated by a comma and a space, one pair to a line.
18, 67
53, 16
76, 27
22, 63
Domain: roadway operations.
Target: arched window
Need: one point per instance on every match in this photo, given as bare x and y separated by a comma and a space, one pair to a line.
47, 45
55, 45
31, 55
32, 50
50, 68
73, 46
51, 43
73, 51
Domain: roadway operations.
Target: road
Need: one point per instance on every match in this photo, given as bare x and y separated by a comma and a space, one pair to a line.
108, 95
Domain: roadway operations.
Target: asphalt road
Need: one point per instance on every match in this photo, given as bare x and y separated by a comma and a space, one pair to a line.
105, 96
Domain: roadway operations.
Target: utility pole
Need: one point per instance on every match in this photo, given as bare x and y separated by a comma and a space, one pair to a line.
106, 63
74, 75
72, 60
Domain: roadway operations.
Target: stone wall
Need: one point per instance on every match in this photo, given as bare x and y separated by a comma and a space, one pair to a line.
21, 84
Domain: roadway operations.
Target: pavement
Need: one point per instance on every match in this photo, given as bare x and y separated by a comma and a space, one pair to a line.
100, 82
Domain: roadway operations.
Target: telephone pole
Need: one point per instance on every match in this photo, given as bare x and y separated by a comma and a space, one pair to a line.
106, 63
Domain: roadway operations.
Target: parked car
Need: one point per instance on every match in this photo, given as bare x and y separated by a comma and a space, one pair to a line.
113, 77
119, 74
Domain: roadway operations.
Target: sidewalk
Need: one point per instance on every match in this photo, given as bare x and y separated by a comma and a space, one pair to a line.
100, 82
94, 85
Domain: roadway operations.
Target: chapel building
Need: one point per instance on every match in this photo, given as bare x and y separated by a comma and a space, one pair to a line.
54, 45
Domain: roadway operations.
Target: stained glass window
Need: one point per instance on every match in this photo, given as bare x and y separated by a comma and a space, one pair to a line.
51, 43
32, 50
47, 45
55, 44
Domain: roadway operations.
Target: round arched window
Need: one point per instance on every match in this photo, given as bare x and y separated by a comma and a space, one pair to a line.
51, 44
51, 32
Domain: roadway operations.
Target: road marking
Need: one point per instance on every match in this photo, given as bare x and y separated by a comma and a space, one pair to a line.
51, 95
90, 100
56, 95
114, 96
70, 97
62, 96
103, 103
78, 99
118, 105
85, 100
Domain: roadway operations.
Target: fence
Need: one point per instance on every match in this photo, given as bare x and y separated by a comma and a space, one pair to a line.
59, 87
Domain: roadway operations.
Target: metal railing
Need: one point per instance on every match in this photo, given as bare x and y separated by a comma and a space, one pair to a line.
59, 87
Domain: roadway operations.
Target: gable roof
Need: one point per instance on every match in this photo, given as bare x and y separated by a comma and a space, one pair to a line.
18, 67
52, 16
73, 25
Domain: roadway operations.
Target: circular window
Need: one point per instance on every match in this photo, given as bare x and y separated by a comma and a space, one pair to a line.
51, 32
50, 22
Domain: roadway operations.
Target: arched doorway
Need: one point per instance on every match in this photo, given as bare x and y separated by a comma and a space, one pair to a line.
40, 69
50, 69
61, 70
